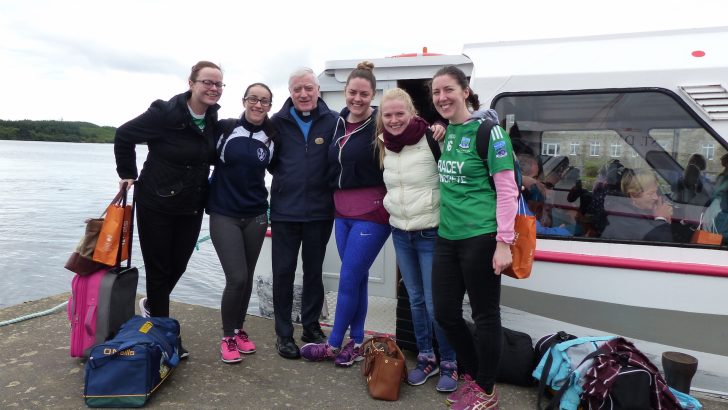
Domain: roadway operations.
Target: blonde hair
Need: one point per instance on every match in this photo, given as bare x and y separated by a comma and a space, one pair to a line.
389, 95
635, 182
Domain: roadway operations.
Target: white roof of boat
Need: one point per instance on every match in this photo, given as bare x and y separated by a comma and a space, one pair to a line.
391, 68
642, 51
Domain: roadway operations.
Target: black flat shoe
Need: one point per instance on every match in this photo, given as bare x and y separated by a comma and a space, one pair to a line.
313, 334
287, 348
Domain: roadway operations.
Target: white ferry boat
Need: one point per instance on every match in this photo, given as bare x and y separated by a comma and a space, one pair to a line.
588, 109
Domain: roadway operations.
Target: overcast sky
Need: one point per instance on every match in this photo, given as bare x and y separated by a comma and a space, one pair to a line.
105, 62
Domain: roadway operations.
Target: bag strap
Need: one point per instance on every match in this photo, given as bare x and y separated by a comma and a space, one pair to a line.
555, 401
483, 135
160, 338
434, 145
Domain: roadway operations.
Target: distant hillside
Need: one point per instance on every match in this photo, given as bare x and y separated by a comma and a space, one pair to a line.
60, 131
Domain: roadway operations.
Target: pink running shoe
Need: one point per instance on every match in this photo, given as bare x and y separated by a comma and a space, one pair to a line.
229, 351
477, 400
464, 390
245, 345
318, 352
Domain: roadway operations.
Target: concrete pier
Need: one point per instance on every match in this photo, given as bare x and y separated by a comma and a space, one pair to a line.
36, 371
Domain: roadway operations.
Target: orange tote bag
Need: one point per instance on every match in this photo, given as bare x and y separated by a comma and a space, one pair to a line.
114, 232
524, 246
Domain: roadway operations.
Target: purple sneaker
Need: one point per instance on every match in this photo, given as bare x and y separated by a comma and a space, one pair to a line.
426, 368
448, 377
349, 355
317, 352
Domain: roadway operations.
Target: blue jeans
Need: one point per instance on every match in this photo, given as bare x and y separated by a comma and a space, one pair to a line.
415, 250
359, 243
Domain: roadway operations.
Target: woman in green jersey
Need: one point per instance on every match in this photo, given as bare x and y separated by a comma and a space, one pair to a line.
478, 197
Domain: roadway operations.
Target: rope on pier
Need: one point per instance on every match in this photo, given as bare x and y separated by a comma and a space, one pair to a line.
34, 315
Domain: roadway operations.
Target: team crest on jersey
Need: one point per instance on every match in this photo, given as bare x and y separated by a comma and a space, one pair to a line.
464, 143
500, 153
261, 154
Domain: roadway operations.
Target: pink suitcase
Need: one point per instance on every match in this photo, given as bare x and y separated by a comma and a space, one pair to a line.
101, 302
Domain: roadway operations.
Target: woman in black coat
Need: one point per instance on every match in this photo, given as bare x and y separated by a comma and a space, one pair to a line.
172, 188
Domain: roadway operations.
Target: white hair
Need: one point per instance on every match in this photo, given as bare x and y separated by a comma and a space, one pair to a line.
300, 72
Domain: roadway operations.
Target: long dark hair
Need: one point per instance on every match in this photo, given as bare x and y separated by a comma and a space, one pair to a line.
459, 76
268, 128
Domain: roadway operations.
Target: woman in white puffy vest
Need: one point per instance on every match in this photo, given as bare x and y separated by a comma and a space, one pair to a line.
413, 203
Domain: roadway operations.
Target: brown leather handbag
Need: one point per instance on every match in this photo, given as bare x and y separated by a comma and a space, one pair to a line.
81, 260
384, 367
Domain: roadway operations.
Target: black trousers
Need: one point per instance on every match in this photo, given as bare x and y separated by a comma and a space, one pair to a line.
466, 266
287, 238
167, 242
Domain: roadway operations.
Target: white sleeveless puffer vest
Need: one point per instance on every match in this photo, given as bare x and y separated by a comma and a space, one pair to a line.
413, 187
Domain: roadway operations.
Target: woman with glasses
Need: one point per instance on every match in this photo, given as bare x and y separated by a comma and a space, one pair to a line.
238, 208
171, 190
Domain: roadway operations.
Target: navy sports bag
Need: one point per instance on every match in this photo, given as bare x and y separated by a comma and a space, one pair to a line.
126, 370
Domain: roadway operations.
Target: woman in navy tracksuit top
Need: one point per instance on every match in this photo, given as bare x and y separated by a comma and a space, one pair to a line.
238, 206
362, 223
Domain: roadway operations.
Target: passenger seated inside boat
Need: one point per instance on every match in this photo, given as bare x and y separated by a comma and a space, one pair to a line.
642, 213
694, 187
533, 192
592, 217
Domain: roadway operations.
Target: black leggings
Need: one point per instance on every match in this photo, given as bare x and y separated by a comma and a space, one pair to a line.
237, 243
167, 242
460, 266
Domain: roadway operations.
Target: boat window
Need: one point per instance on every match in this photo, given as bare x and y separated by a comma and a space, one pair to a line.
627, 166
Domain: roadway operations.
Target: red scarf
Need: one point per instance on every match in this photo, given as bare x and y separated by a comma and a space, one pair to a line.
410, 136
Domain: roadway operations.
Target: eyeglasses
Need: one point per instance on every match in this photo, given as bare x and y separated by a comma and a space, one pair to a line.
209, 83
255, 100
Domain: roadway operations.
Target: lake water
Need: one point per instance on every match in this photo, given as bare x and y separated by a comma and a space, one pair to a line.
47, 190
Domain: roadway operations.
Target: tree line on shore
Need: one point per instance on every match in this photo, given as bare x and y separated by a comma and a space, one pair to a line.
59, 131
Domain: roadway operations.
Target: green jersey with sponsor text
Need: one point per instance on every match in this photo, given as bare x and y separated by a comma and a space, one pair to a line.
467, 200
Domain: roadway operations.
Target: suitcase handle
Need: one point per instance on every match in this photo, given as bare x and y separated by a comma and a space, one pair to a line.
90, 314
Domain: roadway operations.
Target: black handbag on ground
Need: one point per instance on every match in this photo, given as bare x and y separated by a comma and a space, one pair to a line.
517, 359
